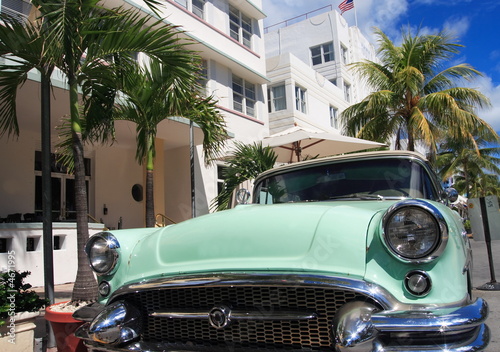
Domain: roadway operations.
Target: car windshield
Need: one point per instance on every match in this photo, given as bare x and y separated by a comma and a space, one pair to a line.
359, 179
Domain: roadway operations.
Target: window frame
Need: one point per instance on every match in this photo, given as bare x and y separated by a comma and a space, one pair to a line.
191, 6
326, 53
344, 54
203, 77
347, 91
334, 117
274, 100
240, 27
300, 99
247, 102
62, 188
199, 12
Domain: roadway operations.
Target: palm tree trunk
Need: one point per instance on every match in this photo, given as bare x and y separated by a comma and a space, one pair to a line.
411, 138
150, 206
150, 209
85, 288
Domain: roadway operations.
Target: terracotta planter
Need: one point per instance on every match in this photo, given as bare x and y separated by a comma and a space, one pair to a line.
18, 337
64, 326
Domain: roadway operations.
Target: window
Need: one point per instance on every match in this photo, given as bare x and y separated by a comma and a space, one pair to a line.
276, 98
347, 92
240, 27
322, 53
198, 8
32, 243
221, 177
59, 242
195, 6
334, 117
344, 54
63, 188
17, 8
183, 3
4, 245
300, 99
243, 96
203, 77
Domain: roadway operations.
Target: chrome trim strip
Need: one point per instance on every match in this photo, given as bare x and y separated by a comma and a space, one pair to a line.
377, 293
468, 261
441, 320
239, 315
477, 342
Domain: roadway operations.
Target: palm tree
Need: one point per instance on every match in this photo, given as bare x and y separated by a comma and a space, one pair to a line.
246, 162
154, 93
25, 47
414, 97
485, 185
90, 44
469, 163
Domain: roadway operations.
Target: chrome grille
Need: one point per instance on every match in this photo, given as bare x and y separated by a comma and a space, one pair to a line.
245, 335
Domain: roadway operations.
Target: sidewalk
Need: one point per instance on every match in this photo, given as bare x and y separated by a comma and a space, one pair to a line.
480, 270
482, 275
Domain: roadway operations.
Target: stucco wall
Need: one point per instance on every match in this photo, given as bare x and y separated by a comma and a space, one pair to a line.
117, 167
65, 264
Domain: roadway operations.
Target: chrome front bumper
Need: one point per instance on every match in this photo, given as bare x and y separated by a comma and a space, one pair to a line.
357, 326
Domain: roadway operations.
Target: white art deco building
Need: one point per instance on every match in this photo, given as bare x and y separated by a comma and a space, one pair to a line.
307, 66
264, 83
228, 34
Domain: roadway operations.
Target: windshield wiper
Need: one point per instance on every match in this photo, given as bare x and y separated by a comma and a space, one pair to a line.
362, 196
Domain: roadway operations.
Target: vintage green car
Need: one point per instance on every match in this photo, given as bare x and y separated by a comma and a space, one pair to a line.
357, 252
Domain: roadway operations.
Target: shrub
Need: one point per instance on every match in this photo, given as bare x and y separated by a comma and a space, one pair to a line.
16, 296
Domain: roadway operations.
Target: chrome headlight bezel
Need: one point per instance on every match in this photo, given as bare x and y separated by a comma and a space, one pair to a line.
423, 207
117, 323
110, 246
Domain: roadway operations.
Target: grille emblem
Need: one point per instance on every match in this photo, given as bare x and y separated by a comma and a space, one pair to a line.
220, 316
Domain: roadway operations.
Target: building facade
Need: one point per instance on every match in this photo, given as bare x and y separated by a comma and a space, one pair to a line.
307, 64
263, 84
228, 35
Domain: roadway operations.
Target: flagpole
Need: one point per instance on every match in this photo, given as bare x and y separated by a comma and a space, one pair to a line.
355, 16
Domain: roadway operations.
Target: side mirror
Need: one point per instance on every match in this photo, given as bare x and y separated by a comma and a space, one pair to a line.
242, 196
451, 194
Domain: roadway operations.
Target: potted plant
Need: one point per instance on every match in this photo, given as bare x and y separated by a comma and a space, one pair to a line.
19, 307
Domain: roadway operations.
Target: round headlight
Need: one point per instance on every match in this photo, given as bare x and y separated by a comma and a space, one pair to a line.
102, 251
414, 231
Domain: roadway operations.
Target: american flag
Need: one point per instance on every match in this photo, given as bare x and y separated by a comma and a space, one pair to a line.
346, 5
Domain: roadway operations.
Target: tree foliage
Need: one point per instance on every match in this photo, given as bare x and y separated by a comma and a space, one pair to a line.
474, 166
415, 95
92, 46
153, 93
246, 162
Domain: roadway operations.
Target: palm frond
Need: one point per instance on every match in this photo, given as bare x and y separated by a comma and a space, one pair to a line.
246, 162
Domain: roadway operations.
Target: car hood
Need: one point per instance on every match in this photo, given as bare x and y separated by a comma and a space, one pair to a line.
319, 237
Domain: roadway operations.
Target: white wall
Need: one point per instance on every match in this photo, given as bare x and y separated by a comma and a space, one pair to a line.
117, 166
65, 264
296, 40
320, 94
17, 175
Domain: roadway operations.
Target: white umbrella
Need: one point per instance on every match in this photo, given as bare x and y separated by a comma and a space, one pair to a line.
300, 141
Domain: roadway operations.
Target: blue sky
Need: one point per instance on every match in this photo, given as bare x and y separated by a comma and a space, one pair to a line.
475, 24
